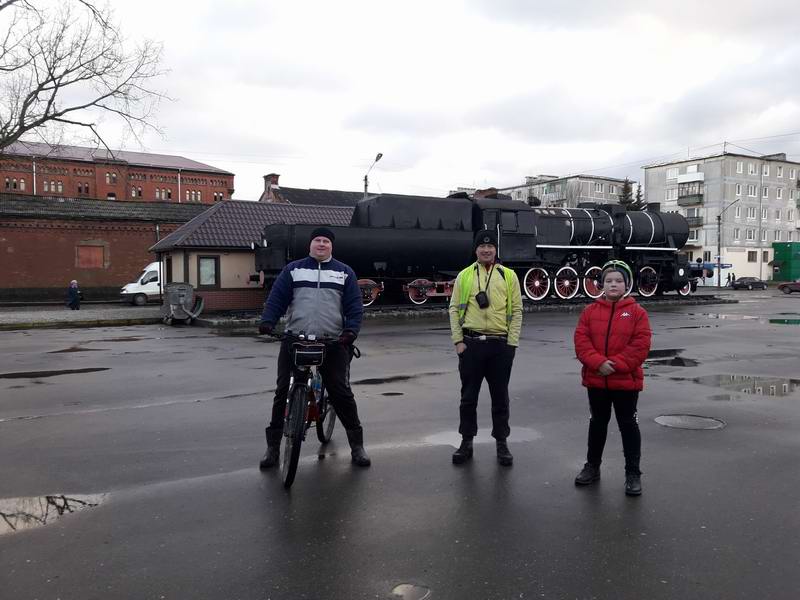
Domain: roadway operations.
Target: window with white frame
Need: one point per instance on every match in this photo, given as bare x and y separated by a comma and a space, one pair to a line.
765, 256
792, 173
598, 187
737, 234
693, 212
778, 214
158, 193
751, 212
45, 185
752, 256
22, 184
763, 235
763, 214
779, 171
612, 189
671, 194
789, 236
738, 189
691, 169
777, 235
751, 168
751, 235
738, 212
765, 170
751, 191
133, 192
791, 194
779, 193
790, 214
693, 235
765, 192
672, 173
108, 177
739, 166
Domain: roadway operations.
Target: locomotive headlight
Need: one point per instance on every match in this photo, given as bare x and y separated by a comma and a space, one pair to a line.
681, 272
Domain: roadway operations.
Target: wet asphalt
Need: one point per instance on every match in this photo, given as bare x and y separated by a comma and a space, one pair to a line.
151, 436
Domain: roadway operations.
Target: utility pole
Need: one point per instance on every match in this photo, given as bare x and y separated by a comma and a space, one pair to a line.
719, 240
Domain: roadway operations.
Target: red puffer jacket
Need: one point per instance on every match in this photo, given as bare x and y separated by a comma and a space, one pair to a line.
616, 331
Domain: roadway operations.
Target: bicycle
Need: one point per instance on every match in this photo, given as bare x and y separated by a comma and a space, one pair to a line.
307, 401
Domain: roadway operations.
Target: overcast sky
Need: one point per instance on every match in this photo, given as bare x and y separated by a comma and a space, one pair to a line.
466, 93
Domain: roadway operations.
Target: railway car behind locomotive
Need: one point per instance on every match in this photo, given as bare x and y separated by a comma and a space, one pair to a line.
415, 246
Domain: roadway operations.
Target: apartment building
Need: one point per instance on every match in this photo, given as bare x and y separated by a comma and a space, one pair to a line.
755, 197
568, 192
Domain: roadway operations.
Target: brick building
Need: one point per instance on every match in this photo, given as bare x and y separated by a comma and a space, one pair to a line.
76, 172
46, 242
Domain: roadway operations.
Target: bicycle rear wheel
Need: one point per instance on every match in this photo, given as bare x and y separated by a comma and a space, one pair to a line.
326, 418
293, 430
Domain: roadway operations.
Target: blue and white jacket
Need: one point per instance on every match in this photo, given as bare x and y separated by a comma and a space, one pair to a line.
320, 298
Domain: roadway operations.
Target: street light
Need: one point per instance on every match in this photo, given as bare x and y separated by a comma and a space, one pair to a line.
719, 242
366, 180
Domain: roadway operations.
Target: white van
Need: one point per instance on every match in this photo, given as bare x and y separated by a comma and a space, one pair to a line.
145, 287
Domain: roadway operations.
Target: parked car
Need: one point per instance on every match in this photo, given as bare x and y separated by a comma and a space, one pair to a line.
749, 283
788, 288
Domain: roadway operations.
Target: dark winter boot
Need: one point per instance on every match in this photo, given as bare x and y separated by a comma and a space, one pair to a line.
357, 452
504, 456
589, 474
464, 452
273, 453
633, 483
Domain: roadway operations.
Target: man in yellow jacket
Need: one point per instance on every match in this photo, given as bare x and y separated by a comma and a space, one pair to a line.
485, 322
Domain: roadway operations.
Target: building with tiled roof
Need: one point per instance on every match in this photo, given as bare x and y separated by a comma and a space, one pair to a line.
38, 169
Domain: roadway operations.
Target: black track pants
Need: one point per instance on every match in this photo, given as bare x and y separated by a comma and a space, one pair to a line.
624, 403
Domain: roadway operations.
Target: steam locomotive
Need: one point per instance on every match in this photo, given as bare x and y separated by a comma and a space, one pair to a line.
413, 247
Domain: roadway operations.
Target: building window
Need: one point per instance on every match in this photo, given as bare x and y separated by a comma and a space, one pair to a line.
89, 257
738, 212
691, 169
790, 215
751, 169
80, 188
60, 187
789, 236
671, 194
779, 171
765, 170
598, 187
792, 173
791, 194
763, 235
763, 214
133, 192
739, 166
187, 195
113, 178
737, 234
765, 256
169, 194
108, 177
751, 235
208, 271
199, 195
752, 256
693, 235
22, 185
779, 193
765, 192
45, 185
672, 173
777, 235
707, 256
778, 214
52, 186
751, 212
751, 191
738, 189
158, 194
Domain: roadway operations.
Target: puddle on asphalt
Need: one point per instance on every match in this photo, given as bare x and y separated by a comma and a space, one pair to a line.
130, 338
393, 394
725, 317
251, 332
669, 357
18, 514
78, 349
40, 374
721, 397
409, 591
749, 384
236, 357
453, 438
690, 422
393, 378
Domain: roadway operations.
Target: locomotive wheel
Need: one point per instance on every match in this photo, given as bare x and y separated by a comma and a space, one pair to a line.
647, 281
685, 290
369, 291
567, 283
536, 284
417, 291
591, 282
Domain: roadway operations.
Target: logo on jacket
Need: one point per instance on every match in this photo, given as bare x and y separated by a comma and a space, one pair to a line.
625, 314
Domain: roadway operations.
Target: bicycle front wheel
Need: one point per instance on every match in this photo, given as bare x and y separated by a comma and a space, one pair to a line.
293, 430
326, 418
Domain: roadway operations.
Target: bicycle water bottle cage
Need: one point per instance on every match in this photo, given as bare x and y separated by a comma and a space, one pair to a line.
308, 354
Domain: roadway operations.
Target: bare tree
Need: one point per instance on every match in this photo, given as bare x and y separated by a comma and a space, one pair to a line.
66, 66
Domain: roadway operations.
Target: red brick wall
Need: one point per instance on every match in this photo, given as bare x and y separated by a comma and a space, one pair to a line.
41, 254
233, 299
71, 174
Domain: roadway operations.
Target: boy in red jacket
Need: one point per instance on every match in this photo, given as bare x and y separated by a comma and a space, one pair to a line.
612, 341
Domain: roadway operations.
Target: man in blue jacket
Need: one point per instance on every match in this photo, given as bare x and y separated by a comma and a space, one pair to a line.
320, 296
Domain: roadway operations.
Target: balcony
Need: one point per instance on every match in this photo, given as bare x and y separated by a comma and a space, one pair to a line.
695, 221
690, 199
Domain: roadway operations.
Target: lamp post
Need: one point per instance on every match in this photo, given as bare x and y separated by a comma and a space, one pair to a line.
366, 175
719, 242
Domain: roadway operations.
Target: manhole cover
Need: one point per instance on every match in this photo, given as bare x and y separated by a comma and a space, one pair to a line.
407, 591
690, 422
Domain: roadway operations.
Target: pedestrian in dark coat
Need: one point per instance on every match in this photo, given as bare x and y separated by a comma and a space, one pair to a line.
74, 296
612, 341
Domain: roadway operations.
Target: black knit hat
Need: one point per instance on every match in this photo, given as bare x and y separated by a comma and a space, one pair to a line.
485, 236
322, 232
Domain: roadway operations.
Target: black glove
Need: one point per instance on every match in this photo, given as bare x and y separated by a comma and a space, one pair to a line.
264, 328
347, 337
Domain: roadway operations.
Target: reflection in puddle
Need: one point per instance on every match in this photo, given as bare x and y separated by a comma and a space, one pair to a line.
38, 374
748, 384
453, 438
17, 514
669, 357
785, 321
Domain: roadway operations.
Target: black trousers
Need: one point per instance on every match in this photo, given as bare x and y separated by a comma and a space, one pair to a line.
624, 403
335, 371
490, 360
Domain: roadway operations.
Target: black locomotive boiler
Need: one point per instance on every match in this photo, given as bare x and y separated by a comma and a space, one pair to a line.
415, 246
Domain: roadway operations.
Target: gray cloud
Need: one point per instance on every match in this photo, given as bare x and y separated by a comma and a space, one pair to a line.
378, 120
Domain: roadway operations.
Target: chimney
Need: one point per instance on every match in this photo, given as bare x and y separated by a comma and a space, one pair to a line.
270, 184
